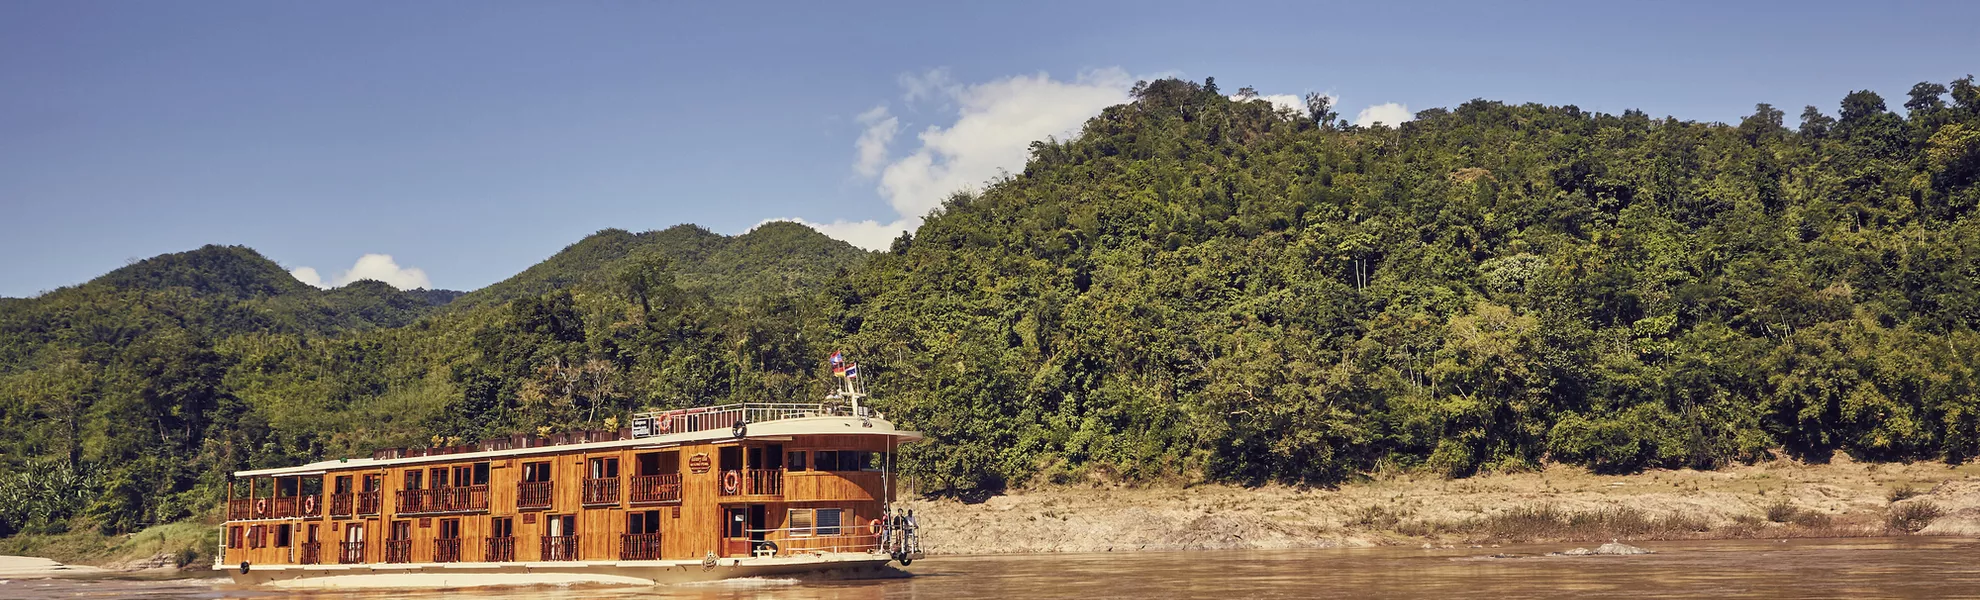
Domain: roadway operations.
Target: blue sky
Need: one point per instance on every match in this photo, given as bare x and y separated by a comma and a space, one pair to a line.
468, 140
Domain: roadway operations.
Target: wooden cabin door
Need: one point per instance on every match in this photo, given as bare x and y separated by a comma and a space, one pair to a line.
735, 531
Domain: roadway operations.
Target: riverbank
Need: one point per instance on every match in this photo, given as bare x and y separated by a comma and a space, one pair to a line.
1780, 499
160, 549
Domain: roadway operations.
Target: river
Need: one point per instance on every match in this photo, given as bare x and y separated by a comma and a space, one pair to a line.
1916, 567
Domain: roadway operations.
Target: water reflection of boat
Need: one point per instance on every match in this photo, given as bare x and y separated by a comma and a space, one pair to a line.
741, 490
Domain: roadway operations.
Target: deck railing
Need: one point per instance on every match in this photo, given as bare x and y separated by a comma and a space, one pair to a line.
726, 416
312, 553
312, 506
753, 482
535, 494
285, 507
240, 509
639, 546
559, 547
367, 503
499, 549
460, 498
601, 491
447, 550
398, 551
850, 538
342, 504
350, 553
656, 488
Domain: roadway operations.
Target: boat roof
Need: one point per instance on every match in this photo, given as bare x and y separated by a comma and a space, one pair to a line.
766, 430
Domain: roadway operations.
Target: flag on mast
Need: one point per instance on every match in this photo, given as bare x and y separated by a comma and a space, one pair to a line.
838, 364
852, 370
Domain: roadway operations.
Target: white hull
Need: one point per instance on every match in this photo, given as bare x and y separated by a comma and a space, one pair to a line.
843, 565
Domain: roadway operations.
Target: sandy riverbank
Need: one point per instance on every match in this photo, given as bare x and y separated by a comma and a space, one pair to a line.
1779, 499
29, 567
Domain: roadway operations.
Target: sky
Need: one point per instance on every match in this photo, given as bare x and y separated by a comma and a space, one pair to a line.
452, 144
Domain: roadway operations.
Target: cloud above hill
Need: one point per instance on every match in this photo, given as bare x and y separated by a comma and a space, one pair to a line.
378, 267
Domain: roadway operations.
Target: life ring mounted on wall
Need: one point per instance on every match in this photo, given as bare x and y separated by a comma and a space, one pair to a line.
731, 482
261, 506
309, 505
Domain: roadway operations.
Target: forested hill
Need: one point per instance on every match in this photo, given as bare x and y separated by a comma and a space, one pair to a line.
775, 258
1196, 287
1203, 286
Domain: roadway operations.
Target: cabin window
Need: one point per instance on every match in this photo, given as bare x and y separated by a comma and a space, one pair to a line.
439, 477
800, 522
481, 473
658, 463
536, 471
234, 536
773, 457
875, 461
255, 539
413, 480
639, 522
463, 475
450, 529
828, 521
372, 483
401, 530
343, 485
828, 460
604, 468
501, 527
282, 536
797, 460
731, 458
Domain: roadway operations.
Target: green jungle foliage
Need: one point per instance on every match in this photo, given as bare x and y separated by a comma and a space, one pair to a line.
1196, 286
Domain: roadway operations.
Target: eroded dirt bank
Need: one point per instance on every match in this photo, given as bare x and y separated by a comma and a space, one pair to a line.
1779, 499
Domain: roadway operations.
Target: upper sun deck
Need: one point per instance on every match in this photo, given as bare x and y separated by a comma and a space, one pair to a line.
650, 429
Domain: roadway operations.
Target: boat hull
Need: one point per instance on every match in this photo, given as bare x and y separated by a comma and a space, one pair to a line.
848, 565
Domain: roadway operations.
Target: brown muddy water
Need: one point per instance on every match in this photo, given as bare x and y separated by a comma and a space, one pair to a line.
1922, 567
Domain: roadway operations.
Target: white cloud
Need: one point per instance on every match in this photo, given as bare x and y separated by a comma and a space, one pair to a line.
995, 123
872, 144
307, 275
1286, 101
1391, 114
379, 267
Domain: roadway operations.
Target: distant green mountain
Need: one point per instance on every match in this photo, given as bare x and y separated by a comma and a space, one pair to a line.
230, 271
776, 258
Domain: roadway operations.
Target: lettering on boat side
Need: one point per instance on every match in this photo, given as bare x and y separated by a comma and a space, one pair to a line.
699, 463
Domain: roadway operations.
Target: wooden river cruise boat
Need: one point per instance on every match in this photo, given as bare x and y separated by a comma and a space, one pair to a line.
683, 495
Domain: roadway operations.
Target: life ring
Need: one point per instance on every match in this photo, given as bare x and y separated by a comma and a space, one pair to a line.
741, 429
244, 567
309, 505
731, 481
666, 424
261, 506
875, 526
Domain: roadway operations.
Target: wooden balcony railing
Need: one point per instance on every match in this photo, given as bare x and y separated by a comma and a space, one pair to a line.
466, 498
342, 504
367, 503
398, 551
500, 549
656, 488
535, 494
447, 550
285, 507
559, 547
639, 546
350, 553
311, 506
240, 509
312, 553
753, 482
409, 501
601, 491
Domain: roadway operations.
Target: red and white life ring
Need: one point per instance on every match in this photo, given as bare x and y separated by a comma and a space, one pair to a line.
261, 506
875, 526
666, 424
309, 505
731, 482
